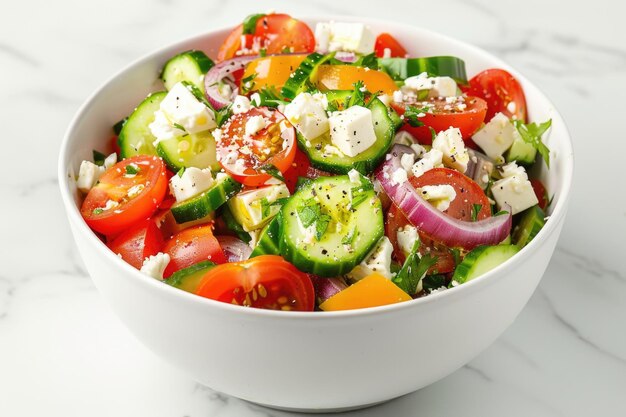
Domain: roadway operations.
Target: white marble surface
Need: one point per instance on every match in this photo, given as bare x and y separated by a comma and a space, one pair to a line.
64, 353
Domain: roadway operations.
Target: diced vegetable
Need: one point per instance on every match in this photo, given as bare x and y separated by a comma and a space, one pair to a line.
372, 291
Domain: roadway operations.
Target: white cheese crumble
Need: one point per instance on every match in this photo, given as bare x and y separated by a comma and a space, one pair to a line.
514, 189
352, 130
255, 124
155, 265
450, 143
307, 113
436, 86
349, 37
378, 260
440, 196
496, 137
431, 159
193, 182
355, 176
407, 236
241, 104
399, 176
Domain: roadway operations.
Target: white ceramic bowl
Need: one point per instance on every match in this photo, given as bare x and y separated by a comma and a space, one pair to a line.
312, 361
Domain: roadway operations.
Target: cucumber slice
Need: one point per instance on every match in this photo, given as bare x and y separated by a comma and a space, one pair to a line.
440, 66
233, 225
366, 161
189, 278
194, 150
300, 78
206, 202
269, 241
188, 66
330, 225
522, 152
531, 222
135, 137
481, 260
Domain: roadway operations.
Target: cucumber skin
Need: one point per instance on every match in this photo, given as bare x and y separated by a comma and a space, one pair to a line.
269, 241
184, 279
305, 71
368, 160
176, 165
481, 260
206, 202
324, 267
531, 222
137, 124
521, 152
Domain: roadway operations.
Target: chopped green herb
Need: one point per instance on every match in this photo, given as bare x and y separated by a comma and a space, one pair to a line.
266, 205
349, 238
333, 105
531, 133
433, 282
456, 253
286, 50
270, 97
359, 195
98, 158
309, 212
98, 210
413, 270
367, 61
433, 134
249, 23
412, 114
262, 52
223, 114
321, 225
179, 127
357, 98
500, 213
475, 210
132, 169
247, 83
181, 172
273, 171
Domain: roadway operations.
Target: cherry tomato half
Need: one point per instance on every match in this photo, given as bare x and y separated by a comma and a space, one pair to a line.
502, 92
275, 33
191, 246
541, 193
128, 192
266, 281
468, 193
246, 156
137, 243
444, 115
386, 41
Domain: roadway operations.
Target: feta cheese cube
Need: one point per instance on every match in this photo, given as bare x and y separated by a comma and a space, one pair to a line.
399, 176
440, 196
350, 37
162, 129
378, 260
450, 143
154, 266
514, 189
193, 182
110, 160
431, 159
436, 86
352, 130
355, 176
241, 104
182, 108
496, 137
306, 112
88, 175
407, 236
407, 160
253, 209
255, 124
255, 99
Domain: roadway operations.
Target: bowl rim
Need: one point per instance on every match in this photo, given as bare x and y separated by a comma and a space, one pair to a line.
454, 293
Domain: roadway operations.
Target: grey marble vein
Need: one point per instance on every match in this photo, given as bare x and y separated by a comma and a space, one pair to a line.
18, 55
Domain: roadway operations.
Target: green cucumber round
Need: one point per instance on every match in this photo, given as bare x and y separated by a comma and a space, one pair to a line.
188, 279
435, 66
330, 225
205, 203
135, 136
193, 150
481, 260
188, 66
269, 240
300, 78
531, 222
364, 162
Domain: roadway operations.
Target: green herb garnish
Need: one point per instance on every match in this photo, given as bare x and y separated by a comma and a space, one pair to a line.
249, 23
223, 114
321, 225
412, 115
273, 171
270, 97
367, 61
98, 158
247, 83
179, 127
475, 210
181, 172
531, 133
98, 210
413, 270
309, 212
349, 238
132, 169
357, 98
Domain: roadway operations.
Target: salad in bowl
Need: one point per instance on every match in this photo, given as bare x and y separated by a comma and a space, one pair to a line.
318, 168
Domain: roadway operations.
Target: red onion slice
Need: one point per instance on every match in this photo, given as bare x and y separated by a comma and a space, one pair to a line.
327, 287
433, 222
235, 249
221, 73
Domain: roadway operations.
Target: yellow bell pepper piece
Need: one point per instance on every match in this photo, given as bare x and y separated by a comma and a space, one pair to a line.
372, 291
343, 77
272, 70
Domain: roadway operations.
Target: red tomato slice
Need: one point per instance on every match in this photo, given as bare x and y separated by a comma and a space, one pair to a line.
301, 167
137, 243
191, 246
386, 41
443, 116
541, 193
123, 197
502, 92
275, 33
115, 146
266, 281
244, 156
468, 193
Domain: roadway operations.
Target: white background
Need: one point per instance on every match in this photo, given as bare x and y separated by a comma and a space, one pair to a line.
64, 353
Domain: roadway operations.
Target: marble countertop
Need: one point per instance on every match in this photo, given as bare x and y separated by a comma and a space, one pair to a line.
64, 353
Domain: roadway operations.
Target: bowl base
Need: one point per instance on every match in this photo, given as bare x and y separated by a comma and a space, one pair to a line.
321, 410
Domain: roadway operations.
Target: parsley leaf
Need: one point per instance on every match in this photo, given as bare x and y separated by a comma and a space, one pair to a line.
262, 52
273, 171
249, 23
359, 195
367, 61
98, 158
357, 98
270, 97
179, 127
266, 206
412, 115
349, 238
475, 210
181, 172
531, 133
98, 210
247, 83
309, 212
333, 105
433, 282
321, 225
223, 114
501, 213
413, 270
132, 169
